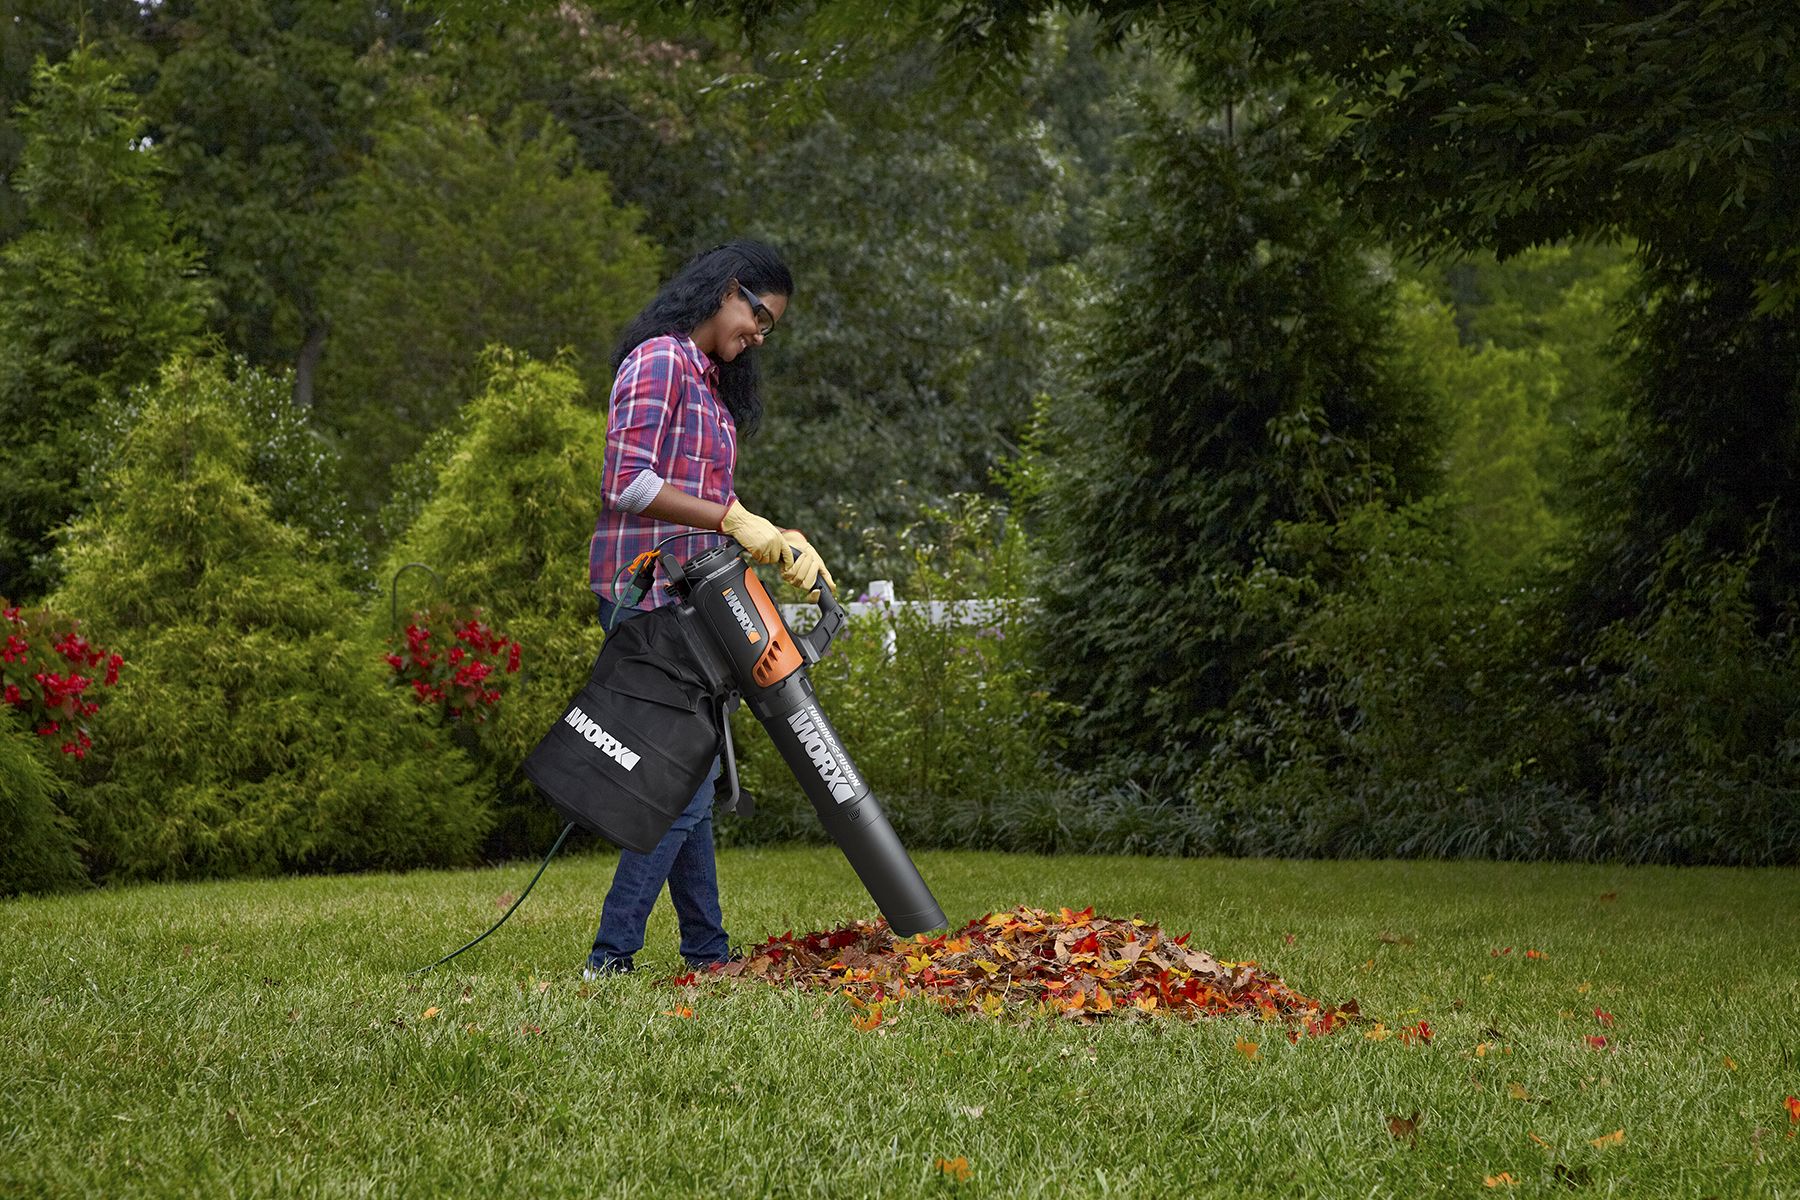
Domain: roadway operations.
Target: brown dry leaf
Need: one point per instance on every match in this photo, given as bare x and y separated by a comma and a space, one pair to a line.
1026, 962
1405, 1129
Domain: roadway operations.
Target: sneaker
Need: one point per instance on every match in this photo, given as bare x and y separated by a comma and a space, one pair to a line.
616, 966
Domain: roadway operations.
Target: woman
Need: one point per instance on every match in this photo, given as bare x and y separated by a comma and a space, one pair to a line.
684, 392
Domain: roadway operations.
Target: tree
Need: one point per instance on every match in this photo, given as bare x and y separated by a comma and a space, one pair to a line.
455, 236
262, 107
93, 295
254, 732
924, 235
1240, 374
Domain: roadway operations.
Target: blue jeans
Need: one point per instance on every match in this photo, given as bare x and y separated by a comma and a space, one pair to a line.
683, 859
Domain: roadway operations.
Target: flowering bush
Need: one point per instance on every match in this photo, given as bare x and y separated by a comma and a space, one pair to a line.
46, 669
454, 662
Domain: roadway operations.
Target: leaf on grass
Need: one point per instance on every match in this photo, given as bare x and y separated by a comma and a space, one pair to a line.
1534, 954
1596, 1042
1517, 1091
530, 1030
1730, 1063
1247, 1049
1503, 1179
1540, 1141
1406, 1129
956, 1168
1605, 1018
1615, 1138
680, 1010
1608, 897
429, 1013
1792, 1104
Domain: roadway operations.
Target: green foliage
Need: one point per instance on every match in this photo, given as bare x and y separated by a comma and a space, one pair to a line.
453, 237
506, 529
924, 231
37, 841
1240, 373
952, 724
294, 465
1697, 716
253, 733
94, 292
1499, 433
262, 107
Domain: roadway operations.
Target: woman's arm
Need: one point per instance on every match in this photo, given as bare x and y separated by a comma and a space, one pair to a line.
675, 506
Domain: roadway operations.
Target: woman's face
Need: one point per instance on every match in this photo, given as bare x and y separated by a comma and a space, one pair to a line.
743, 321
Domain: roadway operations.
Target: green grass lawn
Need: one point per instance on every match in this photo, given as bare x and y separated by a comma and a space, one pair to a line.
263, 1038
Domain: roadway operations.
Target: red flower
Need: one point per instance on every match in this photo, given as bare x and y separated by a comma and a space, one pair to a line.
14, 696
512, 659
113, 663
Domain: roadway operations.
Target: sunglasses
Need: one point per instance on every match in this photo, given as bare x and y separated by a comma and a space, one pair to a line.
765, 323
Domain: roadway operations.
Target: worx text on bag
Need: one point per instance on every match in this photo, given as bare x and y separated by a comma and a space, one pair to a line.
635, 743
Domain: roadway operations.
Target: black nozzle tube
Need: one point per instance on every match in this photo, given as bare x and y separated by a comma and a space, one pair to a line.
847, 807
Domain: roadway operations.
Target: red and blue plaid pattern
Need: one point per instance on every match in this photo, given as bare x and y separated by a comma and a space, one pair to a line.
664, 417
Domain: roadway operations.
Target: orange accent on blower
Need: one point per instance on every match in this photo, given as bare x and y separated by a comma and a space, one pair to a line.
782, 658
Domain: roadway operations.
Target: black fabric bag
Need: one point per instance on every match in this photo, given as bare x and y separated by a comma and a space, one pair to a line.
635, 743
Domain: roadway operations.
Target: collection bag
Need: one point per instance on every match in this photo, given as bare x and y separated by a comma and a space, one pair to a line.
637, 740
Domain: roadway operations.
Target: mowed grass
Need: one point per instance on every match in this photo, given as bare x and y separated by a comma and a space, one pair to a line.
264, 1038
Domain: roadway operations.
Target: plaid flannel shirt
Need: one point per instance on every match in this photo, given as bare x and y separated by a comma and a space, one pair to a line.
664, 424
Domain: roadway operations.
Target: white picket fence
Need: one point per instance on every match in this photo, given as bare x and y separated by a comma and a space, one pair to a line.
882, 603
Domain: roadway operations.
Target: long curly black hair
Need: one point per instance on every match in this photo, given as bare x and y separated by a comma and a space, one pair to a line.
696, 293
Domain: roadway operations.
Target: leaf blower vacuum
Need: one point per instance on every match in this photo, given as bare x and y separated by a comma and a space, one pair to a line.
638, 739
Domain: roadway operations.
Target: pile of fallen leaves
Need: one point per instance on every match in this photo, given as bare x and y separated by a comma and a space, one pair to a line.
1072, 965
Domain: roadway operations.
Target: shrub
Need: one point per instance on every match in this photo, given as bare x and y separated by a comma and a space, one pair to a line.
506, 528
251, 735
46, 669
37, 841
952, 725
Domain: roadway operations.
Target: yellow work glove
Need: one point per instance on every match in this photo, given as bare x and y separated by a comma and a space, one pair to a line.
765, 543
808, 567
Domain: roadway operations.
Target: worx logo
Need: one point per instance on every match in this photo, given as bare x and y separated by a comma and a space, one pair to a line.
827, 757
743, 616
609, 745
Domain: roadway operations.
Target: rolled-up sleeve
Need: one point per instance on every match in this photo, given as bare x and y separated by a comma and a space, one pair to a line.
643, 396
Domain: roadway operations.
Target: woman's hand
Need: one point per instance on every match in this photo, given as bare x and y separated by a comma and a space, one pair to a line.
808, 568
758, 535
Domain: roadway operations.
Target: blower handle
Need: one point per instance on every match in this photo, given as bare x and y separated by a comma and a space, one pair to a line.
832, 618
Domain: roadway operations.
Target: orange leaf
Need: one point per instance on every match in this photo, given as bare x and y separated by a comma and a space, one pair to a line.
1615, 1138
679, 1011
1503, 1179
867, 1023
429, 1013
1792, 1104
1247, 1049
956, 1168
1605, 1018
